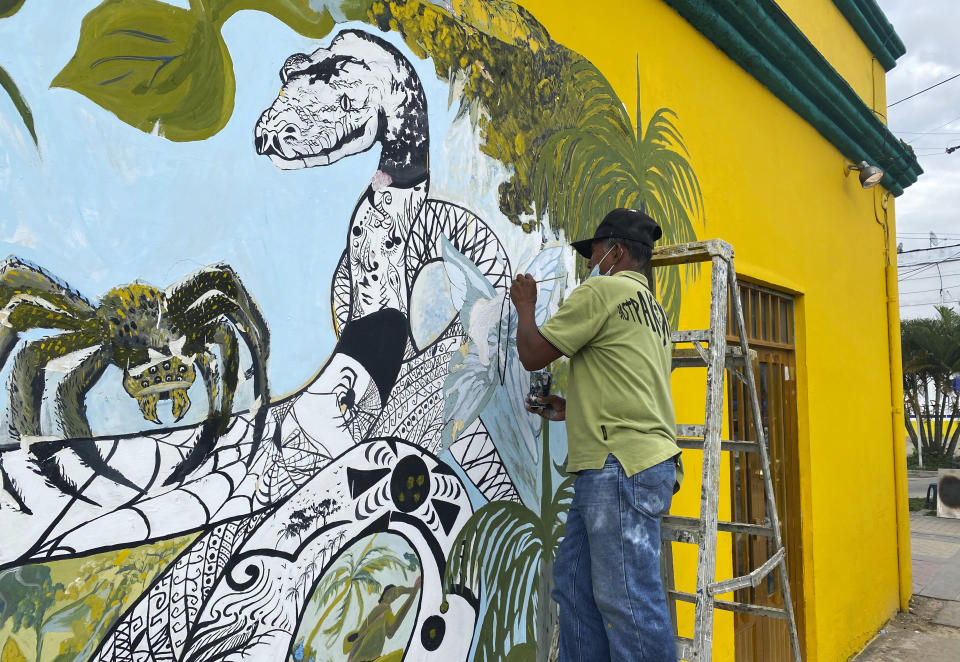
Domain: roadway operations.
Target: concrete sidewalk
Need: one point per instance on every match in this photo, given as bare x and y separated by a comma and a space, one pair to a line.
935, 551
931, 631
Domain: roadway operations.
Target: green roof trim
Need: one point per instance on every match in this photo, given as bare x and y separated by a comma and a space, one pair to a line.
875, 31
762, 39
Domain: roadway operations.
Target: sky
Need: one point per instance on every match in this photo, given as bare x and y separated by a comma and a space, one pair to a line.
930, 122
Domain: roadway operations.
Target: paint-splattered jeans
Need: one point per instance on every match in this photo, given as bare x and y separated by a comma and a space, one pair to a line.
607, 572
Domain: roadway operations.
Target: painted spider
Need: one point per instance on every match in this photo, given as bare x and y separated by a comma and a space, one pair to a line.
159, 338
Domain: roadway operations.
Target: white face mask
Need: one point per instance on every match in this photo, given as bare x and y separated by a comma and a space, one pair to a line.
596, 268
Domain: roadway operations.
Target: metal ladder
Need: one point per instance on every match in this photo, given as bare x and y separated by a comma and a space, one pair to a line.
708, 347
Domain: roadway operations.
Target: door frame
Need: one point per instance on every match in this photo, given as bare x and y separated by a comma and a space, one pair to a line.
771, 316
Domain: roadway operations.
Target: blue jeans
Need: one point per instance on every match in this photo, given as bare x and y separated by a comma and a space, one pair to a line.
607, 571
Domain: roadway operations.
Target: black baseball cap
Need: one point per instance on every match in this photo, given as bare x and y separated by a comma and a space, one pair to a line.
622, 223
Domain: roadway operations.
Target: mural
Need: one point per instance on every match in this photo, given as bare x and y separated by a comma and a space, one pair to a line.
398, 503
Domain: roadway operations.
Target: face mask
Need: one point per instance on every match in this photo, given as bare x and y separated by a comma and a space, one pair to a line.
596, 268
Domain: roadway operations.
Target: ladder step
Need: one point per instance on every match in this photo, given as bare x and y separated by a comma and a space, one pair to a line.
692, 436
685, 649
739, 607
690, 430
751, 580
678, 534
725, 445
692, 441
691, 525
690, 358
694, 251
694, 335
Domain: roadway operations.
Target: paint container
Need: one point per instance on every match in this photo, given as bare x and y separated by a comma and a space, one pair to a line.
539, 388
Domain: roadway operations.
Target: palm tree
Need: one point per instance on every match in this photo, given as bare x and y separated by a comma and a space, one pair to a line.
931, 363
508, 551
346, 584
606, 161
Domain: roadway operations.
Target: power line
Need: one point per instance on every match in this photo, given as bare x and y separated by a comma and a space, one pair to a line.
935, 289
927, 89
912, 275
927, 234
919, 278
930, 264
932, 129
929, 303
932, 248
909, 275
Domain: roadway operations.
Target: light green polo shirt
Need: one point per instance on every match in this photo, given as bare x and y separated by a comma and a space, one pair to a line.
618, 396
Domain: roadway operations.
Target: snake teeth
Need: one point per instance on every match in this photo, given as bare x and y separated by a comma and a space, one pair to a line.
148, 407
180, 401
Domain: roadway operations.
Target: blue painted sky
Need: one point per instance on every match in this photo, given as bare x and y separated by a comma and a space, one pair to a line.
105, 204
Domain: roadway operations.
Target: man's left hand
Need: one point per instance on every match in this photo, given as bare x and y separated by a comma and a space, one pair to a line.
523, 291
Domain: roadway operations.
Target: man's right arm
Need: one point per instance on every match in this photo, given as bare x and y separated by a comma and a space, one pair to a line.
534, 350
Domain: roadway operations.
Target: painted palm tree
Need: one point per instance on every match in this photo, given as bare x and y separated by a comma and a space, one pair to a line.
345, 585
9, 8
607, 161
507, 553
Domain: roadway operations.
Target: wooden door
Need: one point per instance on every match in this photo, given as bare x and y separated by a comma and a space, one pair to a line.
769, 319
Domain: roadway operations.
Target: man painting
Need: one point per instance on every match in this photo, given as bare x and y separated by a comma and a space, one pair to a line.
621, 432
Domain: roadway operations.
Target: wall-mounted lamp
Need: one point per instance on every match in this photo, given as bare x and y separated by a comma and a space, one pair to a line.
870, 175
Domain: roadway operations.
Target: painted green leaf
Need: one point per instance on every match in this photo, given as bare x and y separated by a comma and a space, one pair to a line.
311, 18
18, 102
11, 652
159, 68
10, 7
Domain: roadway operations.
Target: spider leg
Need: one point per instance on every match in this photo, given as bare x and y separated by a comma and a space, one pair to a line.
22, 314
26, 395
11, 488
224, 337
72, 413
21, 278
72, 391
209, 369
32, 298
27, 377
217, 420
215, 293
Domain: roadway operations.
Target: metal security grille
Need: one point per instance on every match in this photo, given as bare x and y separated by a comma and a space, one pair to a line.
769, 317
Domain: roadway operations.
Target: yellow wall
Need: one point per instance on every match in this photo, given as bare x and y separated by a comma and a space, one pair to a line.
777, 190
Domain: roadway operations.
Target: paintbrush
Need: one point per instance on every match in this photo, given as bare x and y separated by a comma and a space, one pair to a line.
547, 280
